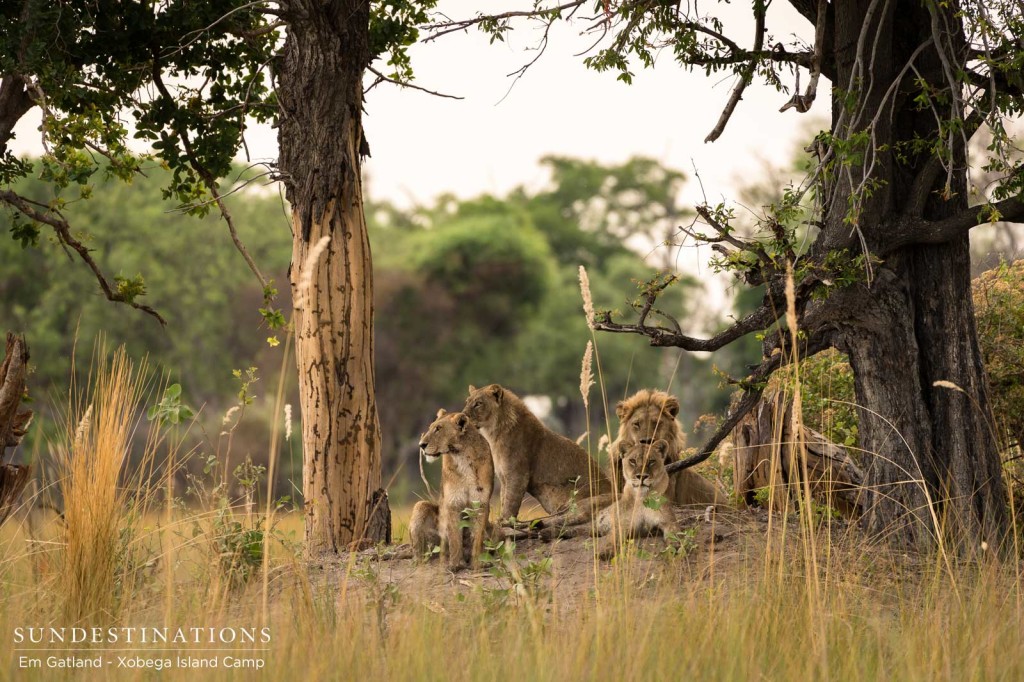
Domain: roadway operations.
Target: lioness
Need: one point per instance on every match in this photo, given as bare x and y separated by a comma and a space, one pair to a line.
467, 481
643, 507
424, 534
529, 457
649, 415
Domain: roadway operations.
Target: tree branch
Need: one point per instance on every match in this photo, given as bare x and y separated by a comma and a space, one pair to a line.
63, 230
446, 27
754, 387
208, 180
663, 337
381, 78
940, 231
748, 74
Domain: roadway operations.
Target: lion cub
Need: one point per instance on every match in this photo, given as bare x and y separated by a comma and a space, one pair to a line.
649, 415
642, 508
529, 457
467, 481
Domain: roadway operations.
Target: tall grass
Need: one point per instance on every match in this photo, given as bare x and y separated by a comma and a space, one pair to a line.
770, 597
102, 509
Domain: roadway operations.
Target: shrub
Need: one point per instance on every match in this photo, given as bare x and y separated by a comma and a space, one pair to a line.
827, 380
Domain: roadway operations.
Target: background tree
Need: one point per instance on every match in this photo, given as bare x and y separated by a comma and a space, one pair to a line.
887, 279
466, 292
189, 77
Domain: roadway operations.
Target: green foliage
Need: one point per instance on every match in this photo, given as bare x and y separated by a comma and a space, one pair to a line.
826, 388
518, 576
237, 534
170, 409
681, 544
999, 308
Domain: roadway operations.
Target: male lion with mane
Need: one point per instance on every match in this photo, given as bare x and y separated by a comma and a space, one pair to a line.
650, 415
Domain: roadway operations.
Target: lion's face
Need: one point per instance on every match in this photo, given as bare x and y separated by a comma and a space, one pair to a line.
444, 436
649, 416
643, 468
484, 404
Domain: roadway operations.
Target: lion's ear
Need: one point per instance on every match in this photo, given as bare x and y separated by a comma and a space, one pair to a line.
620, 409
497, 391
660, 449
672, 406
462, 422
472, 388
440, 413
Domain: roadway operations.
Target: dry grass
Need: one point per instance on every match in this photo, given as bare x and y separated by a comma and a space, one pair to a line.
756, 596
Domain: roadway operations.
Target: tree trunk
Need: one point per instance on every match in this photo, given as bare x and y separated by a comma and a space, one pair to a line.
13, 423
935, 471
320, 77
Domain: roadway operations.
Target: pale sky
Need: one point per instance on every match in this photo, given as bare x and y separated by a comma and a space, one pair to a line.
423, 146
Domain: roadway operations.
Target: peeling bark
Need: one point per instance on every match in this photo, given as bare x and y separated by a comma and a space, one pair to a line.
320, 76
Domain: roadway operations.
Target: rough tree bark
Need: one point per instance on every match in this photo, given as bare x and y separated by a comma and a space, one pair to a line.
13, 422
320, 85
936, 455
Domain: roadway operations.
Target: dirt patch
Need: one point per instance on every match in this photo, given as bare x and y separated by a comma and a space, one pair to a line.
567, 572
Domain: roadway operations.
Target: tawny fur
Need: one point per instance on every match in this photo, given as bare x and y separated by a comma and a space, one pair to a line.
530, 458
649, 415
644, 476
424, 533
467, 482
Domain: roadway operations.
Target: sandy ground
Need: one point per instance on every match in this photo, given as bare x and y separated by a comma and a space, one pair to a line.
722, 542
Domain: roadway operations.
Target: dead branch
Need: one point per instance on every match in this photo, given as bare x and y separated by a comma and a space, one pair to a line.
753, 388
747, 75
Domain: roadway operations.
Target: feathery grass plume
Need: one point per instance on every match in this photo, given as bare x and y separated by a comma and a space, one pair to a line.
588, 301
942, 383
306, 278
82, 430
587, 373
229, 414
288, 421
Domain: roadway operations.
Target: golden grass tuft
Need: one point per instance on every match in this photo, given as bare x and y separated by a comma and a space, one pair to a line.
100, 510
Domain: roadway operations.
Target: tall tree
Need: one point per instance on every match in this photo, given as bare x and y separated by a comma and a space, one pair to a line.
190, 77
887, 278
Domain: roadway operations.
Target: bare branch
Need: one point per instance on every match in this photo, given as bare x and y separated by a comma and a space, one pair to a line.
745, 77
381, 78
446, 27
63, 230
663, 337
802, 103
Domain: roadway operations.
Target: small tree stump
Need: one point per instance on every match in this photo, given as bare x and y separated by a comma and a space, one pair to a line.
768, 454
13, 423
